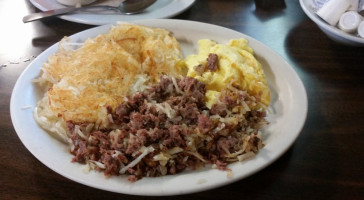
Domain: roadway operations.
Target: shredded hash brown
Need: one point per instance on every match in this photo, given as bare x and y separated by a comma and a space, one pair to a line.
105, 69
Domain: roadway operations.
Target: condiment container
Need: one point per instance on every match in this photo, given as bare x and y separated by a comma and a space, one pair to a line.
332, 10
349, 21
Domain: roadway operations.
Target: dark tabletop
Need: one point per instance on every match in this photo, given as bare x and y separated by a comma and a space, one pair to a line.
325, 162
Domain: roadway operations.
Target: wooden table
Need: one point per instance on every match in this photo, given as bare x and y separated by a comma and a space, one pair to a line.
325, 162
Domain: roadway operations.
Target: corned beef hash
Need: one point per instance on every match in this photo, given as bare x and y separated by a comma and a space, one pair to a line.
127, 102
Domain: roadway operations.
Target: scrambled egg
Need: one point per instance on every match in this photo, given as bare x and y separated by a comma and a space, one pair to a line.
237, 66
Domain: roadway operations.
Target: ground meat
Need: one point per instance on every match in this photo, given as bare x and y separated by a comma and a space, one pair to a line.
212, 62
229, 101
122, 111
102, 138
133, 144
226, 145
180, 122
204, 123
157, 133
195, 89
80, 151
221, 165
70, 126
189, 112
138, 121
132, 178
111, 165
219, 109
175, 137
200, 69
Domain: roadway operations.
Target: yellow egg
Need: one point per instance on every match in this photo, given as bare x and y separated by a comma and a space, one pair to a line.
236, 65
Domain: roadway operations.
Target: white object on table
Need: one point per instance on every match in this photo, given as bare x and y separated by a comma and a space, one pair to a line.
332, 10
354, 5
361, 29
349, 21
160, 9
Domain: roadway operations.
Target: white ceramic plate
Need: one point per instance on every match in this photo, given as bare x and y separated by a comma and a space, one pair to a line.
288, 114
159, 10
331, 31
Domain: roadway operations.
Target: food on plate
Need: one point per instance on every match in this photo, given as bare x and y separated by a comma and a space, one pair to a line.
128, 103
81, 82
236, 66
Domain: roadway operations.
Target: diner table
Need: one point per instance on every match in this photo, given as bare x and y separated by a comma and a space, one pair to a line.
326, 161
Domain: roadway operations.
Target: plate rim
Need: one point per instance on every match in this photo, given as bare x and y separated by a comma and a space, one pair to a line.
177, 192
79, 18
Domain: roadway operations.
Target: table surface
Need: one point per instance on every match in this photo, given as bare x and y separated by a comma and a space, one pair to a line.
325, 162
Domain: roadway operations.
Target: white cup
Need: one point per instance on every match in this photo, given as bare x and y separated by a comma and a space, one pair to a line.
350, 21
332, 10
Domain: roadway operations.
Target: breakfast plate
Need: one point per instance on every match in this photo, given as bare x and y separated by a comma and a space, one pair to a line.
160, 9
287, 115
